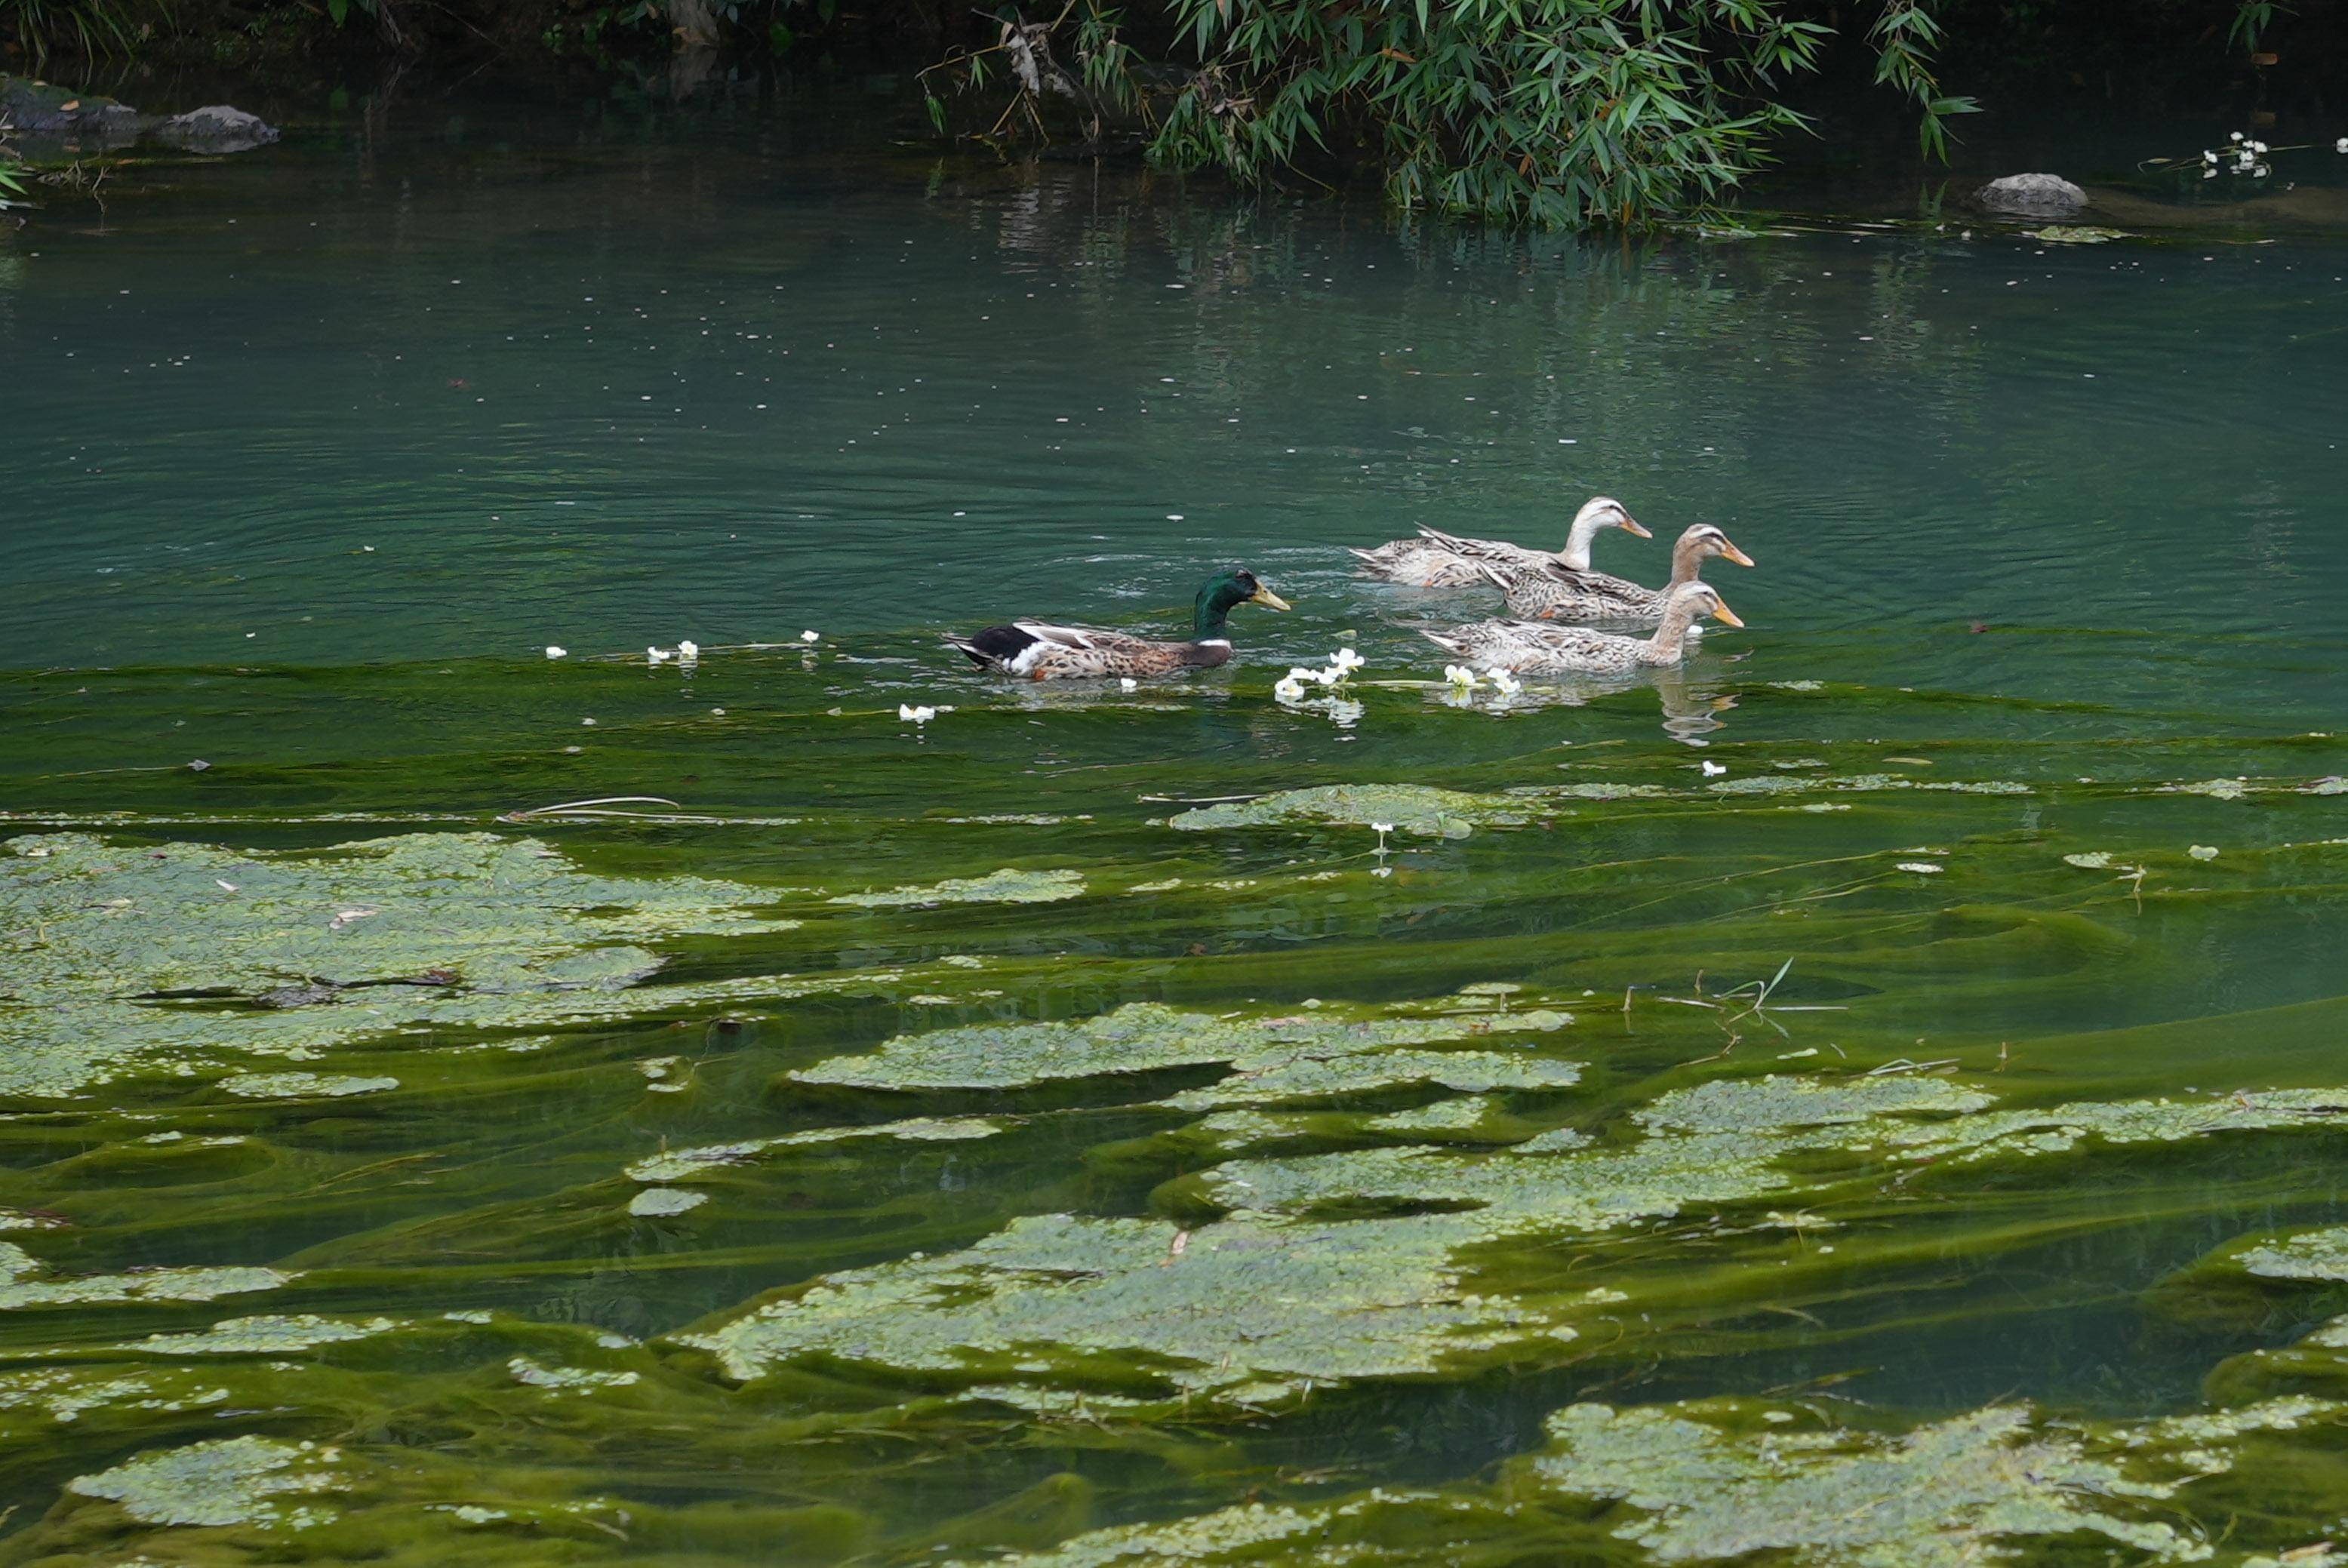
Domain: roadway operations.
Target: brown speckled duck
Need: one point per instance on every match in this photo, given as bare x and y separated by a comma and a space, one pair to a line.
1555, 593
1438, 559
1546, 648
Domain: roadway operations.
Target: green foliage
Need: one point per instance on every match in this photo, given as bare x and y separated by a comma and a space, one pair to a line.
1556, 112
1103, 82
1905, 38
2252, 19
88, 26
13, 173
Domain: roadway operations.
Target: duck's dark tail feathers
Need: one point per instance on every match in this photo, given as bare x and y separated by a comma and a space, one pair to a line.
994, 648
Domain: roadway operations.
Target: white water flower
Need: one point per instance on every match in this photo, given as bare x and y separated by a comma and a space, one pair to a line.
688, 652
1459, 675
810, 636
554, 652
2209, 158
1300, 676
2260, 147
2341, 146
1127, 683
1382, 828
1289, 689
659, 655
1714, 770
2234, 136
912, 715
1345, 661
1505, 684
2203, 852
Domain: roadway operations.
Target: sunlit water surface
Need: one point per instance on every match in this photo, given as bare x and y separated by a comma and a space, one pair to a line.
310, 455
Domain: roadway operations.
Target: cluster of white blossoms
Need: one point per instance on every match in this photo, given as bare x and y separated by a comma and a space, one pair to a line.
2241, 156
686, 653
1292, 687
1464, 680
913, 716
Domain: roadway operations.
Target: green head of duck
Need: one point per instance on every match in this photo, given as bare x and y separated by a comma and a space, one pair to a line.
1220, 593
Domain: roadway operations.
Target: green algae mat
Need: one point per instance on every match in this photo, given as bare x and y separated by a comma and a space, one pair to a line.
1471, 1133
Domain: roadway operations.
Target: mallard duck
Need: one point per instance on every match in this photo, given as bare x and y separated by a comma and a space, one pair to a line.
1042, 652
1545, 647
1438, 559
1555, 593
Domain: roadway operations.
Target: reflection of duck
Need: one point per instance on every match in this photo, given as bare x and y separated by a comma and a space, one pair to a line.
1557, 593
1541, 647
1438, 559
1042, 652
1689, 713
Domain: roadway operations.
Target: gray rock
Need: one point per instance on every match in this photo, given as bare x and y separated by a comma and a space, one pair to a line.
217, 127
42, 108
2032, 196
45, 111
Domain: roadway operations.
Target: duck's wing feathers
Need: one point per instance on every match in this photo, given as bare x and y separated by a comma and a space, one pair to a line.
1419, 563
1070, 636
1499, 550
1541, 591
1537, 645
1604, 584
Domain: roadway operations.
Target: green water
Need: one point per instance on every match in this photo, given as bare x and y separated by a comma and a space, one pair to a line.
1068, 1126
